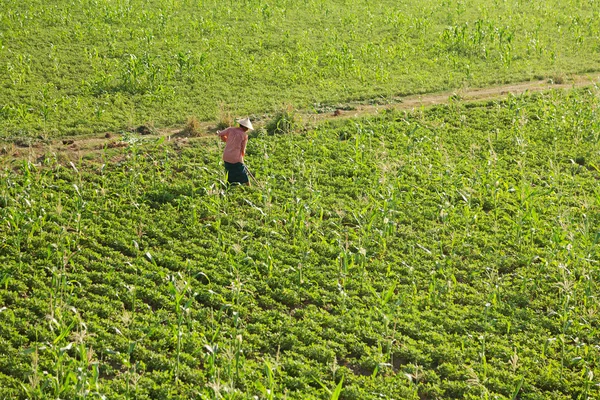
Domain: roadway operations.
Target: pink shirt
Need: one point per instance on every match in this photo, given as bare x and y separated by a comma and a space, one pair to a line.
235, 147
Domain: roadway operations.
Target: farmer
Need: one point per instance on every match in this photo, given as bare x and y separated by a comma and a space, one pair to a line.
235, 139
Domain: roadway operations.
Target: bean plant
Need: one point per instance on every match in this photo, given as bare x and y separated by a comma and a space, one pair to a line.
442, 253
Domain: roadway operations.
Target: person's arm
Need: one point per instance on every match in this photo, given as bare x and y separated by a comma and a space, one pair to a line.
244, 142
224, 135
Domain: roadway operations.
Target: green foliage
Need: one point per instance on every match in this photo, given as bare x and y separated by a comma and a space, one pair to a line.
71, 68
284, 121
446, 253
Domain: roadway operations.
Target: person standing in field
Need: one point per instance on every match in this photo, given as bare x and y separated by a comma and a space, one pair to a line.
235, 139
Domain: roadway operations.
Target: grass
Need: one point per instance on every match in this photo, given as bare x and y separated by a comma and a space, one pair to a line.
283, 122
192, 128
89, 67
442, 253
445, 253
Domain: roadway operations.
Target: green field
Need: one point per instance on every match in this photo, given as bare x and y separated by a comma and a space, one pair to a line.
86, 66
448, 252
444, 254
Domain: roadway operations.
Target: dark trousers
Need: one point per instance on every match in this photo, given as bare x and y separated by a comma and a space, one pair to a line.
236, 173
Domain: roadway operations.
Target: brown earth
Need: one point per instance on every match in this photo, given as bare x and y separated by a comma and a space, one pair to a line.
73, 148
470, 95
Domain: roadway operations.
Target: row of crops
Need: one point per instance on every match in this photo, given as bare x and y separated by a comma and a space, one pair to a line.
448, 253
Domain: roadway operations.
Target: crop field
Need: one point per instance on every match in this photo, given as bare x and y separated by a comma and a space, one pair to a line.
72, 67
445, 253
431, 253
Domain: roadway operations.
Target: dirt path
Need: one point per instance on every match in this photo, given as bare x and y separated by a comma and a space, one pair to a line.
77, 147
469, 95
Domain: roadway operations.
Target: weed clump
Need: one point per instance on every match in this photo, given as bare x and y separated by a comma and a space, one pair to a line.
191, 128
557, 79
144, 130
285, 121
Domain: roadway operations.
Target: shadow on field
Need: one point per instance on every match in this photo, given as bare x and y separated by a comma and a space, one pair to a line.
158, 197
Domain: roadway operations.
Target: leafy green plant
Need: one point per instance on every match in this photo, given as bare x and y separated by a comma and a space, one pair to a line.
283, 122
415, 259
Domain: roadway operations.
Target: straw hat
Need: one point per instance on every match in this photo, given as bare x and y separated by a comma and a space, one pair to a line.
246, 122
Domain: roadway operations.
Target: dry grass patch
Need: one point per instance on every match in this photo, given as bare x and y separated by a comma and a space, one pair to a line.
191, 128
